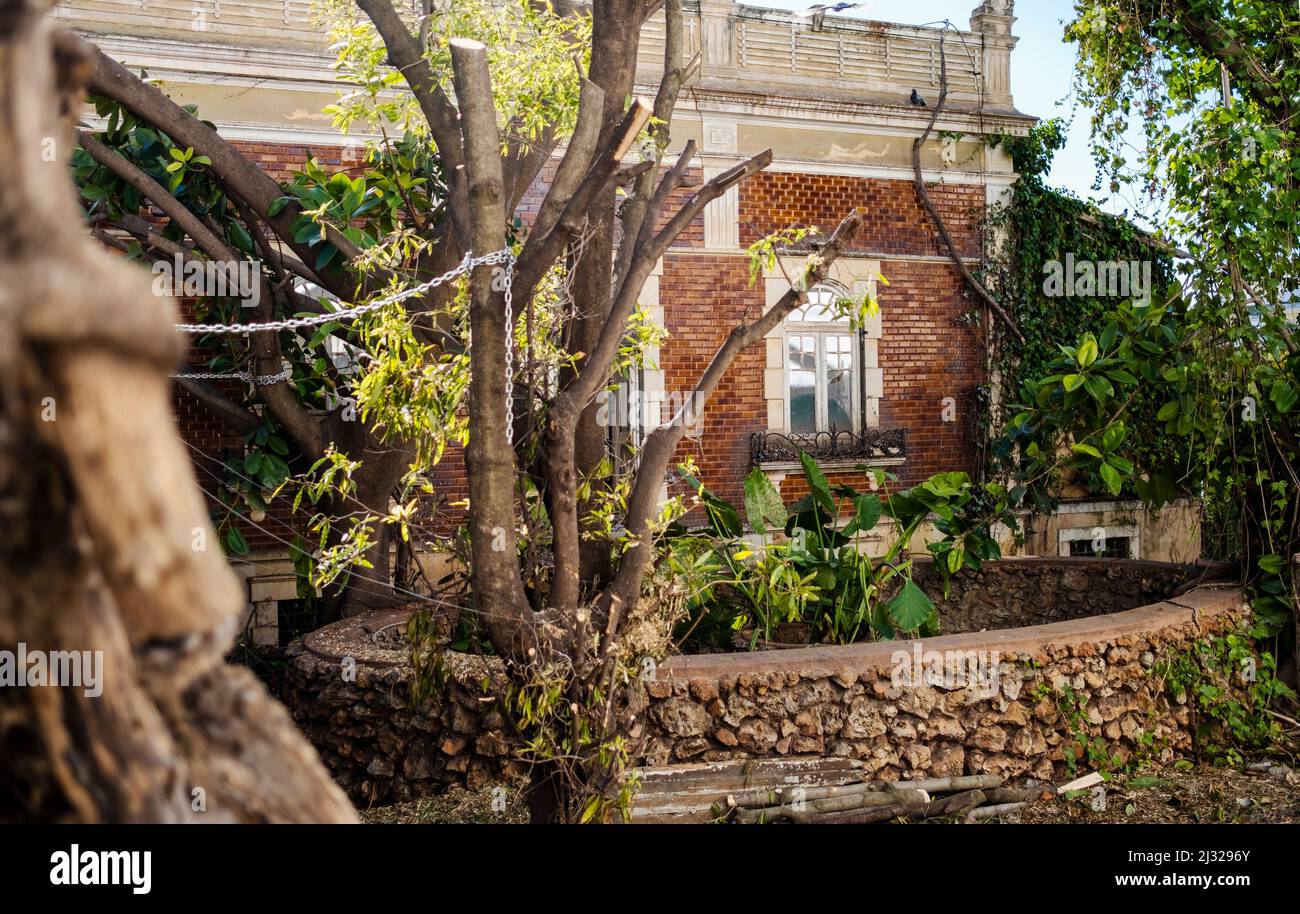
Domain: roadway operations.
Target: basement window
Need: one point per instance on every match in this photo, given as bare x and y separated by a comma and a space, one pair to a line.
1115, 542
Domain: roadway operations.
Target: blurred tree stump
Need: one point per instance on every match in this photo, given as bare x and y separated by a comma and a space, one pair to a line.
105, 542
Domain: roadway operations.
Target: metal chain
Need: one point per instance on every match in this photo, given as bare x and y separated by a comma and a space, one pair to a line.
467, 263
260, 380
510, 352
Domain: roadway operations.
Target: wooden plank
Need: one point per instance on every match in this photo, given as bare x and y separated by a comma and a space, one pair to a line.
688, 793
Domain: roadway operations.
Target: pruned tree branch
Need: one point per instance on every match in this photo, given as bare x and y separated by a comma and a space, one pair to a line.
919, 180
489, 458
660, 444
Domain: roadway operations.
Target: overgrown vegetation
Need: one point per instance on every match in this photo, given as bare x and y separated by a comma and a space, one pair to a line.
809, 564
1230, 689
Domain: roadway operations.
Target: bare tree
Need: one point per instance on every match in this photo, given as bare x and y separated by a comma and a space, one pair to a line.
106, 544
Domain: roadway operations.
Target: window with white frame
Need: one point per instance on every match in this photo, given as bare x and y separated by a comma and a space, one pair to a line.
823, 374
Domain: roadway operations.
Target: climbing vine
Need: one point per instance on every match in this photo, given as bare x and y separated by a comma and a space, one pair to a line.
1039, 227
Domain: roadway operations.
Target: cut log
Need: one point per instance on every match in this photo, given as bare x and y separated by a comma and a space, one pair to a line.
1000, 795
952, 784
954, 805
984, 813
866, 815
905, 799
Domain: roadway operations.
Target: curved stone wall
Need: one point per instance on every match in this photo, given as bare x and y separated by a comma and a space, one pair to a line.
1010, 701
1035, 591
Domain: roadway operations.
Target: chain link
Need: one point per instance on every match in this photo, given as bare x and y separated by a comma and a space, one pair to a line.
296, 323
468, 263
510, 352
260, 380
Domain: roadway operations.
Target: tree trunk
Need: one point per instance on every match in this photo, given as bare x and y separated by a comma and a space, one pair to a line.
381, 470
106, 546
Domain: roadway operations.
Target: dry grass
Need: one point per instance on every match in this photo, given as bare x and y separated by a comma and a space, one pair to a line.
1181, 795
457, 806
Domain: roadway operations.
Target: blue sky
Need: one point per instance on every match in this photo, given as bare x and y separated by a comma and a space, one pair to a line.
1042, 66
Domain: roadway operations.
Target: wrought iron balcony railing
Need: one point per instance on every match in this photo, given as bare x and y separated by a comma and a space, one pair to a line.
871, 445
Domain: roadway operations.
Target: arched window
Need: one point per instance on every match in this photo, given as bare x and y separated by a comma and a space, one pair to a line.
823, 365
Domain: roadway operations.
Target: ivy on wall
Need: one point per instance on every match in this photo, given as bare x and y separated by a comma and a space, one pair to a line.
1038, 228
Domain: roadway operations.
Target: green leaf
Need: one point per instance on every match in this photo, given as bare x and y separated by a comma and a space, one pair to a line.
1168, 411
1087, 353
763, 505
327, 253
910, 608
868, 510
1098, 388
821, 489
1111, 477
955, 558
1272, 564
1284, 395
235, 542
1081, 448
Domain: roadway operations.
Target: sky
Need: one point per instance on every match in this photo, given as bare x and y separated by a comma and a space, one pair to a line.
1042, 67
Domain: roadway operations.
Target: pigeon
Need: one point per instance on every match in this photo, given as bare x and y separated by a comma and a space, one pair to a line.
917, 100
824, 8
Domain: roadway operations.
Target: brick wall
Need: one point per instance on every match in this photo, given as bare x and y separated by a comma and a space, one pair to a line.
893, 220
703, 298
927, 356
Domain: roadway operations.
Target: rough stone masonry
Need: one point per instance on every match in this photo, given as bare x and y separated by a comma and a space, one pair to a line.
1054, 683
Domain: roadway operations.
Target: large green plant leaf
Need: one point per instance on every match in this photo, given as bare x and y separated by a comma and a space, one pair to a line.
868, 509
911, 609
724, 519
763, 505
821, 489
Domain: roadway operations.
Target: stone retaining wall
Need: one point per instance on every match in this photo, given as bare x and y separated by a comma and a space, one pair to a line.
1035, 591
351, 696
1017, 701
1031, 695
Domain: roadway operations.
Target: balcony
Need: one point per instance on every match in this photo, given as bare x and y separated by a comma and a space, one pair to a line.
876, 447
